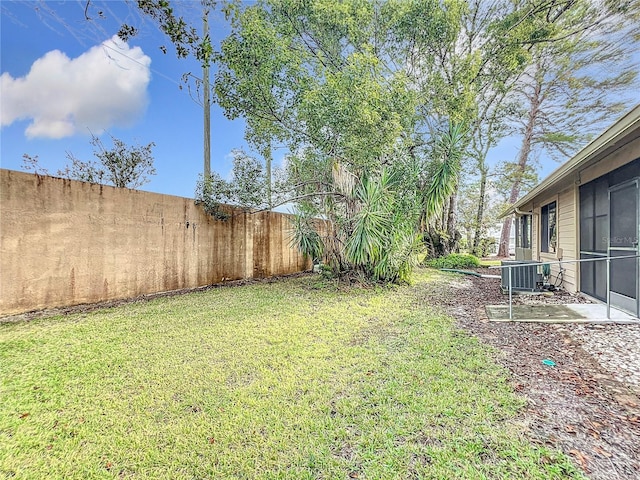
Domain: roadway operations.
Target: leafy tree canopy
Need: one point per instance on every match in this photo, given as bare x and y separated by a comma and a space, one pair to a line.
122, 165
376, 102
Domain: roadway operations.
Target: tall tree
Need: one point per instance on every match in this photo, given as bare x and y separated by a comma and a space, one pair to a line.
362, 92
571, 90
326, 79
476, 68
247, 187
364, 83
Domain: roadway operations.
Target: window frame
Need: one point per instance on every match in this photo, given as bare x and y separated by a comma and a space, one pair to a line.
549, 227
523, 231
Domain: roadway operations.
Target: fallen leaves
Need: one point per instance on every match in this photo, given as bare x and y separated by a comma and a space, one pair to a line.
629, 401
582, 458
595, 425
570, 408
602, 452
593, 428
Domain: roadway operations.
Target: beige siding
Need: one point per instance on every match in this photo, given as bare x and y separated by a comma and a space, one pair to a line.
535, 233
568, 211
614, 148
567, 237
567, 234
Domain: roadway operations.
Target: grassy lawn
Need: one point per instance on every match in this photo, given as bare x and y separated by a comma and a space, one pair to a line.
288, 380
490, 263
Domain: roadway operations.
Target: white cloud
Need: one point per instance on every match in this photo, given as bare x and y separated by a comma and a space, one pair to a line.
104, 87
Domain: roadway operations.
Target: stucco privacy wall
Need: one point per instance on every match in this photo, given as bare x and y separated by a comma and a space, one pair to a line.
64, 242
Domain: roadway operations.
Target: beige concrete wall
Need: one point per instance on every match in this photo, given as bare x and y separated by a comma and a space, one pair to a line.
64, 242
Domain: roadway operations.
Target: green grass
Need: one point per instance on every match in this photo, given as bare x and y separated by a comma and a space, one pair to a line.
290, 380
489, 263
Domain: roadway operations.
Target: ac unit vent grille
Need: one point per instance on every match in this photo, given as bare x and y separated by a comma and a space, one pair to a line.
524, 276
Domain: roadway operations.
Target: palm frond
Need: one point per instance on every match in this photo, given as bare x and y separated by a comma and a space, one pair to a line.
448, 154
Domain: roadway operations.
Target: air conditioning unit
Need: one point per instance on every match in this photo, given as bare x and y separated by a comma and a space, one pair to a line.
524, 275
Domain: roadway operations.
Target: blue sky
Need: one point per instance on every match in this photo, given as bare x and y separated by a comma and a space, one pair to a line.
99, 87
64, 77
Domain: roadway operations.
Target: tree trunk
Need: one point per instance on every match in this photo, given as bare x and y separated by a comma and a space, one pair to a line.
523, 158
452, 223
505, 235
480, 213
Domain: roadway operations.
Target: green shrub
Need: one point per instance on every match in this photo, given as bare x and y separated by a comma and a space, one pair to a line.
327, 272
486, 247
454, 260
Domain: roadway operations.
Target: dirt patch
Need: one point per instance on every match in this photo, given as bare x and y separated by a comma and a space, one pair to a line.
574, 406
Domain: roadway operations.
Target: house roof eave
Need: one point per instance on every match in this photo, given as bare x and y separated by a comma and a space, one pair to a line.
626, 124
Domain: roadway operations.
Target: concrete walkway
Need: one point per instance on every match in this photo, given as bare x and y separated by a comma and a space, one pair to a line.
598, 311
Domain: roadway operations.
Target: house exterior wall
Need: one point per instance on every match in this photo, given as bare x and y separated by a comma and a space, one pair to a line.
566, 235
566, 194
523, 253
64, 242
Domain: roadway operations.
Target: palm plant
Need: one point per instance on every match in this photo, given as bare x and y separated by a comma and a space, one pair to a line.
373, 217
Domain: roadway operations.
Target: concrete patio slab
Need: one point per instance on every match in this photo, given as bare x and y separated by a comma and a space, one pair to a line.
555, 313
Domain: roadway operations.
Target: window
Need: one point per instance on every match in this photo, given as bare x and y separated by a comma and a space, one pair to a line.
548, 230
523, 231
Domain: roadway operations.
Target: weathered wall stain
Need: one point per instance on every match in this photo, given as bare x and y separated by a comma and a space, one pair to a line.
64, 242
